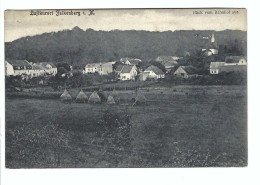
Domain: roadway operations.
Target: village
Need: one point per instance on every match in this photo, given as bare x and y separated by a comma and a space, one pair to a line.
126, 70
132, 69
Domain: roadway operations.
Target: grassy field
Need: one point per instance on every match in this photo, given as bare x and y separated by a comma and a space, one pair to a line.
184, 126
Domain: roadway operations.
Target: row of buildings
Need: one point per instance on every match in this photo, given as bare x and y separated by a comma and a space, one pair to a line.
23, 67
126, 69
129, 68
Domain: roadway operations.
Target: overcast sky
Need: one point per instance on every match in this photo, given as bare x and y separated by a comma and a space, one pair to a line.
21, 23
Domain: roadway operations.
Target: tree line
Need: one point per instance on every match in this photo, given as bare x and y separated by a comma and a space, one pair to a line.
78, 47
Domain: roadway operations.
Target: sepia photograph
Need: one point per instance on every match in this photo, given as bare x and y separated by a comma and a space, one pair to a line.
125, 88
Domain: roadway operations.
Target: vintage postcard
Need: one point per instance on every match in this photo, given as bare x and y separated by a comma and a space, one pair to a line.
124, 88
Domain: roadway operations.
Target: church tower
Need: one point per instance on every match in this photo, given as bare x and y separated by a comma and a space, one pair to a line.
213, 38
212, 47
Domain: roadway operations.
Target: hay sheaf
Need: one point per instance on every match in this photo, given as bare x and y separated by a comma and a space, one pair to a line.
110, 100
140, 99
66, 96
81, 97
94, 98
115, 96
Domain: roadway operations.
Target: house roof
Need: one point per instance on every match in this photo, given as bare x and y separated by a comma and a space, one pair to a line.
103, 64
230, 68
216, 64
119, 68
189, 69
107, 64
18, 63
155, 69
127, 69
134, 61
44, 64
167, 58
170, 63
233, 59
38, 67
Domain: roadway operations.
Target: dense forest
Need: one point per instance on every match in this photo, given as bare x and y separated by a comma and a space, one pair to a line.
78, 47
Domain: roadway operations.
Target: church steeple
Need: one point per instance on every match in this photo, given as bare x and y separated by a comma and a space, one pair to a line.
212, 38
212, 46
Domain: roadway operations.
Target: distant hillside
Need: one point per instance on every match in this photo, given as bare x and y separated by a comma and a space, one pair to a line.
79, 47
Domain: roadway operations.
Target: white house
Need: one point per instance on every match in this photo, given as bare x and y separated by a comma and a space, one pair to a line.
37, 70
128, 72
23, 67
91, 68
154, 72
100, 68
106, 68
17, 67
143, 76
49, 68
215, 67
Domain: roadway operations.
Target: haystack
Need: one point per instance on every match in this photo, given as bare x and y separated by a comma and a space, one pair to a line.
115, 96
65, 96
82, 97
110, 100
102, 95
140, 99
94, 98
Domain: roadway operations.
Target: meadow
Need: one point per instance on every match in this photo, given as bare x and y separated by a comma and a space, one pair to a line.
183, 126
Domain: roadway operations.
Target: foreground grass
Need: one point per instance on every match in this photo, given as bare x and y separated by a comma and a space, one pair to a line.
171, 131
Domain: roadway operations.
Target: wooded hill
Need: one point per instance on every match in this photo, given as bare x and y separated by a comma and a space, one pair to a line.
78, 47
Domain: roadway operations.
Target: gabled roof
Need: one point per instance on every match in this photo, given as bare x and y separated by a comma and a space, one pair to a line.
170, 63
119, 68
155, 69
168, 58
38, 67
18, 63
189, 69
233, 59
127, 69
44, 64
216, 64
103, 64
134, 61
230, 68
